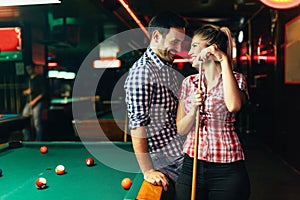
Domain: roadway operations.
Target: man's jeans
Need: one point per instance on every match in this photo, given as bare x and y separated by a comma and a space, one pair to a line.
36, 115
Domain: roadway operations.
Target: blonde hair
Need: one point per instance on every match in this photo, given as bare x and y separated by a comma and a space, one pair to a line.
229, 41
219, 36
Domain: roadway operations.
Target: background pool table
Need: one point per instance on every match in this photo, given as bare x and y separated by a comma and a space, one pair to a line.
10, 123
22, 163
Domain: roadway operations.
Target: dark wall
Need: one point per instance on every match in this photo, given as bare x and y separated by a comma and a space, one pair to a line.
11, 87
288, 98
276, 104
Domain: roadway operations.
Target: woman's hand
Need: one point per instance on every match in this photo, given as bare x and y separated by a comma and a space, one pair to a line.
212, 52
197, 99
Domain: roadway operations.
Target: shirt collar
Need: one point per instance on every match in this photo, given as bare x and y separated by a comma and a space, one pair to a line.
159, 63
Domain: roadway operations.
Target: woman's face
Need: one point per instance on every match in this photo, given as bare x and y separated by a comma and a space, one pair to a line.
197, 45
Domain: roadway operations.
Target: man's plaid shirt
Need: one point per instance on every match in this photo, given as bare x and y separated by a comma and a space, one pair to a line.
151, 88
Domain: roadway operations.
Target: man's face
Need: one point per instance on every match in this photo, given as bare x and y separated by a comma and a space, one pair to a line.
29, 70
169, 45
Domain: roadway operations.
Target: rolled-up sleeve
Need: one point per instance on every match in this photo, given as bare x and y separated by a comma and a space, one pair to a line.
242, 83
138, 90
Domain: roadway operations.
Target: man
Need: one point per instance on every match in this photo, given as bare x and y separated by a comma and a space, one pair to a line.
35, 93
151, 97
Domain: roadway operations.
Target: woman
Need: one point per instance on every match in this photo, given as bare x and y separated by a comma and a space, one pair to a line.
221, 173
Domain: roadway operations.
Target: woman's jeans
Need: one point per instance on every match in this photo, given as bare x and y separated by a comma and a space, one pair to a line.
215, 181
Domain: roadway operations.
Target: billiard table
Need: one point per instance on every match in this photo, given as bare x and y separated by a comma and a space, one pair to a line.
22, 163
10, 123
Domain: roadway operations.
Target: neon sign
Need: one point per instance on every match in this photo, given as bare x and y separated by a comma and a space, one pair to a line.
281, 4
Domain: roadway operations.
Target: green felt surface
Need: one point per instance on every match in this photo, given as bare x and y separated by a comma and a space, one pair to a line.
8, 116
22, 166
64, 100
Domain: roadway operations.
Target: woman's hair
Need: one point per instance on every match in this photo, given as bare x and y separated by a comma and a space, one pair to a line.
215, 35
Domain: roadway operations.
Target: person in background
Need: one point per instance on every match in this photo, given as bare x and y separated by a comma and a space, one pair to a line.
151, 97
221, 172
34, 105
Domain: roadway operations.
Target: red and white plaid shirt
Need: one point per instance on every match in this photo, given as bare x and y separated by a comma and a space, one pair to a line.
218, 141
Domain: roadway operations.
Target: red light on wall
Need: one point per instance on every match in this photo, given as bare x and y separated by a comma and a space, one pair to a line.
256, 58
10, 39
266, 58
52, 65
180, 65
244, 58
281, 4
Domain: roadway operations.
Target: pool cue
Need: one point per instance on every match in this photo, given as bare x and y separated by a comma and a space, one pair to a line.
5, 94
30, 97
30, 111
194, 178
125, 126
12, 96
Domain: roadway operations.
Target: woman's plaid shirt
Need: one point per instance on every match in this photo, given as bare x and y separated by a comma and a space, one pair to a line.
151, 88
218, 141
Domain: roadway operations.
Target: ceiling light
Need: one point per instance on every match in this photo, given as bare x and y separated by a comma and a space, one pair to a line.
134, 17
241, 36
107, 63
26, 2
281, 4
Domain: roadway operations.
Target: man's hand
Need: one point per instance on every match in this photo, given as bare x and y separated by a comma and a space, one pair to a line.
31, 103
27, 92
156, 178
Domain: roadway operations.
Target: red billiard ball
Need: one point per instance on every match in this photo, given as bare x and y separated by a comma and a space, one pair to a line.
126, 183
60, 169
41, 183
89, 162
1, 116
43, 149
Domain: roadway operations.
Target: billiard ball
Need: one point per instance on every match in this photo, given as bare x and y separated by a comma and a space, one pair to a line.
89, 162
1, 116
41, 183
43, 149
0, 172
60, 169
126, 183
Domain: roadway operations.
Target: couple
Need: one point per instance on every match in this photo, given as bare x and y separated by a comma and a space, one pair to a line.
161, 113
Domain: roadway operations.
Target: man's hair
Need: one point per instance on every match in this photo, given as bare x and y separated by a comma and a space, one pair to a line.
30, 66
164, 21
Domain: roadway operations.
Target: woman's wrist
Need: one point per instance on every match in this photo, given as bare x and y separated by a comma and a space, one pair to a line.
191, 113
223, 59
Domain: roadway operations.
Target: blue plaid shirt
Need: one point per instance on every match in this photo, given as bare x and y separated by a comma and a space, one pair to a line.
151, 88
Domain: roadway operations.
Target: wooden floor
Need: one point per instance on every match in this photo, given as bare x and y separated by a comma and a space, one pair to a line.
271, 178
